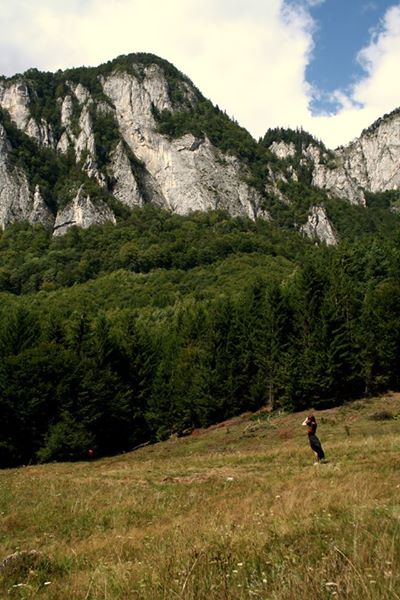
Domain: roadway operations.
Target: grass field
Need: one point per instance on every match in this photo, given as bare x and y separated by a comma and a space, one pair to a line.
238, 511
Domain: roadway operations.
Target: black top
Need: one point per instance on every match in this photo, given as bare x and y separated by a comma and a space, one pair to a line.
311, 427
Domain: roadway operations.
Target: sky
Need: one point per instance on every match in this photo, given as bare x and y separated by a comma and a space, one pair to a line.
328, 66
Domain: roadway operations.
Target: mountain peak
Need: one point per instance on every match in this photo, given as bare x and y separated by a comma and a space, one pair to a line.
135, 130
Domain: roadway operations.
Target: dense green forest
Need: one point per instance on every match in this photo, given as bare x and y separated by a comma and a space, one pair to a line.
124, 334
119, 335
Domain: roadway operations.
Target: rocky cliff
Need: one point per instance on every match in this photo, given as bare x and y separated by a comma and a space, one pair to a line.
111, 129
82, 146
319, 227
18, 201
371, 163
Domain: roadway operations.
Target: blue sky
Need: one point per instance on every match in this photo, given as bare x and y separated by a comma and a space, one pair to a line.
329, 66
342, 29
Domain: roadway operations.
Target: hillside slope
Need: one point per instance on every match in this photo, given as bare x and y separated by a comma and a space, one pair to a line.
127, 333
236, 511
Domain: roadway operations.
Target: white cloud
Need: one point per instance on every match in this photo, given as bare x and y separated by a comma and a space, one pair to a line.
381, 60
248, 56
368, 6
377, 93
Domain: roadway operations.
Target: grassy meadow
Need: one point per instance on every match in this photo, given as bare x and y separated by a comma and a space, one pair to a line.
235, 512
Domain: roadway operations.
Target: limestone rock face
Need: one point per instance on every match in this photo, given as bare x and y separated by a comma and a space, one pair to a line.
81, 93
40, 213
83, 213
370, 163
283, 149
338, 182
15, 99
17, 203
83, 142
318, 227
125, 187
189, 174
273, 186
335, 175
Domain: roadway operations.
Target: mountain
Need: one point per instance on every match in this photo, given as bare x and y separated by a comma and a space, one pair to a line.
98, 136
369, 164
164, 315
86, 145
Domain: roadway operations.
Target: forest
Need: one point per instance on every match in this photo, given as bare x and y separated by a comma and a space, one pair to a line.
117, 336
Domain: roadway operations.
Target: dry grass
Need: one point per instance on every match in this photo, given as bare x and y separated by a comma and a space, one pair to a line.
232, 513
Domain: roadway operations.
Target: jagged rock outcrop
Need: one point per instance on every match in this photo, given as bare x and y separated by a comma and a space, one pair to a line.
328, 171
370, 163
40, 212
283, 149
83, 142
273, 187
319, 227
17, 202
125, 187
83, 213
190, 174
15, 99
332, 172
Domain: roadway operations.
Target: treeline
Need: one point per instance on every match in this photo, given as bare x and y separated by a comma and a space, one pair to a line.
32, 260
112, 379
298, 137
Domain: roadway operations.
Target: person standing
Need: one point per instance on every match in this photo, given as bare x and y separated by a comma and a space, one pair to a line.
311, 424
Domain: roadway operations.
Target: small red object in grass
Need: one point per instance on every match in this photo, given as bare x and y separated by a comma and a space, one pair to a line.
90, 453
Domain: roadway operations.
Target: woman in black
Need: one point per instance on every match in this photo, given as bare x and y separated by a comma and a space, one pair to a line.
315, 444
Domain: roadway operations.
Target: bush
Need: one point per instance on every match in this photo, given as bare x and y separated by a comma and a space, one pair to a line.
67, 440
